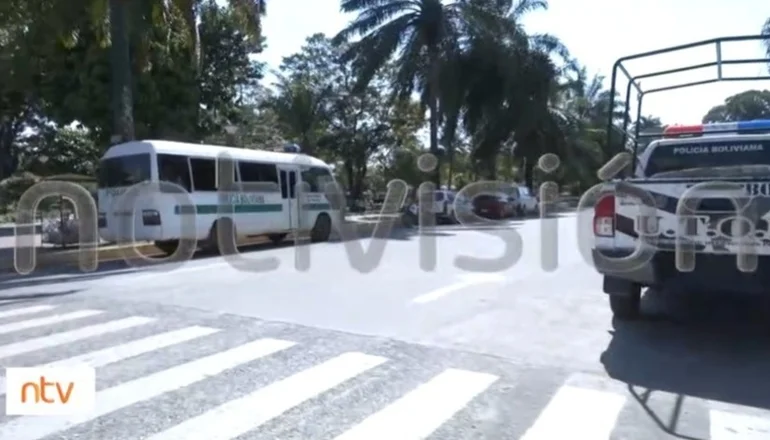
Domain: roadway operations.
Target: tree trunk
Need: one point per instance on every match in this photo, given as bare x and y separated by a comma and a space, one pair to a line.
529, 173
120, 63
451, 170
433, 107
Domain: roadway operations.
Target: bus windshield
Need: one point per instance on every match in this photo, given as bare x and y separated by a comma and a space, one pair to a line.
669, 159
124, 170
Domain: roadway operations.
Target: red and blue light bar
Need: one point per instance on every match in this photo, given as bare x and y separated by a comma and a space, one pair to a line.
754, 126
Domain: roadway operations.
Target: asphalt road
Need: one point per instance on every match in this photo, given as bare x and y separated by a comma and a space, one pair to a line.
337, 344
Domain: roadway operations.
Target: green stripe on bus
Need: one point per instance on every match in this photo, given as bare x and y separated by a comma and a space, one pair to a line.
238, 209
316, 206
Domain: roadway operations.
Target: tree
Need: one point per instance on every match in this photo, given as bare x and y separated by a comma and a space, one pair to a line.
129, 37
744, 106
227, 75
322, 105
500, 85
416, 35
77, 82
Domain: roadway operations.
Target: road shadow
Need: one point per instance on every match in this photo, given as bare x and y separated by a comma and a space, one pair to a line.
71, 273
710, 347
7, 300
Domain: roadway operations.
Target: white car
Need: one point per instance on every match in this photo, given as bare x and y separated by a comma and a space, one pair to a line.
442, 207
525, 202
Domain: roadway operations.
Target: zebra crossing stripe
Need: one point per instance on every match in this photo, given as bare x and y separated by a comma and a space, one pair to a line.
25, 311
40, 322
144, 388
731, 426
577, 413
420, 412
240, 416
62, 338
109, 355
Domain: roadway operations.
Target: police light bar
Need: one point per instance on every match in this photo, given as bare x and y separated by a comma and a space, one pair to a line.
741, 127
292, 148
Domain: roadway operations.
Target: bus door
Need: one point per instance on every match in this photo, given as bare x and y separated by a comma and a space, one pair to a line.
289, 178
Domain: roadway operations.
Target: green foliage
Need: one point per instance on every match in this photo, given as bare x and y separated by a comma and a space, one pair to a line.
12, 188
48, 83
745, 106
496, 97
68, 150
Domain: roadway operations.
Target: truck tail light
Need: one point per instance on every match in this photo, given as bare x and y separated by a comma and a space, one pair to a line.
604, 216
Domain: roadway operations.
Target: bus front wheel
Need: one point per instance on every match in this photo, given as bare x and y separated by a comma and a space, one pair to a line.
322, 229
223, 228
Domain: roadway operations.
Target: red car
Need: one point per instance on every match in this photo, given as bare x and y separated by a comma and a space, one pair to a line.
492, 206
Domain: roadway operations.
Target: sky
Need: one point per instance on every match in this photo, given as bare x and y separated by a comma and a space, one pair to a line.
597, 32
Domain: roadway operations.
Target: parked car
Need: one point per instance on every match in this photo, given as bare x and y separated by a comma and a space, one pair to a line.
442, 207
492, 206
525, 203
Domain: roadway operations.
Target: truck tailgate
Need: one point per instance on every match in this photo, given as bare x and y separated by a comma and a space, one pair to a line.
712, 226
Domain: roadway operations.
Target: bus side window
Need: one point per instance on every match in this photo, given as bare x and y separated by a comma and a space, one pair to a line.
203, 174
323, 177
258, 172
309, 177
174, 169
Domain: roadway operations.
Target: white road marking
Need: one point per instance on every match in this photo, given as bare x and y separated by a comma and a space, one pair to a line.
731, 426
144, 388
577, 413
40, 322
117, 353
26, 346
416, 415
237, 417
25, 311
466, 281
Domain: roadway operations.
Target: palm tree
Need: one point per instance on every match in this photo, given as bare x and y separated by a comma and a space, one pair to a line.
416, 34
500, 86
497, 85
766, 31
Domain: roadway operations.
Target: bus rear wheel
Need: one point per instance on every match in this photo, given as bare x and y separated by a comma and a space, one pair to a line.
322, 229
277, 238
168, 247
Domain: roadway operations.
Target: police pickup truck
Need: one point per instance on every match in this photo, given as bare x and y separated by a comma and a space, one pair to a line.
693, 214
694, 217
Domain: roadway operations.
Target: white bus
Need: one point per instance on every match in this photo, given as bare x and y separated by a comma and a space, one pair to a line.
274, 211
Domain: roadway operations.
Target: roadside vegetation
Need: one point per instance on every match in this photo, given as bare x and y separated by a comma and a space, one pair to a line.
462, 80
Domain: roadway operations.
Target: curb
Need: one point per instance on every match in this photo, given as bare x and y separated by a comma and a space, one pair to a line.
69, 257
9, 229
367, 228
51, 258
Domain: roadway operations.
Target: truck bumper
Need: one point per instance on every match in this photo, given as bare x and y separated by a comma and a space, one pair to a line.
712, 273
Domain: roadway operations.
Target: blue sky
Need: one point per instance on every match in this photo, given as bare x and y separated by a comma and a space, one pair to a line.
597, 32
